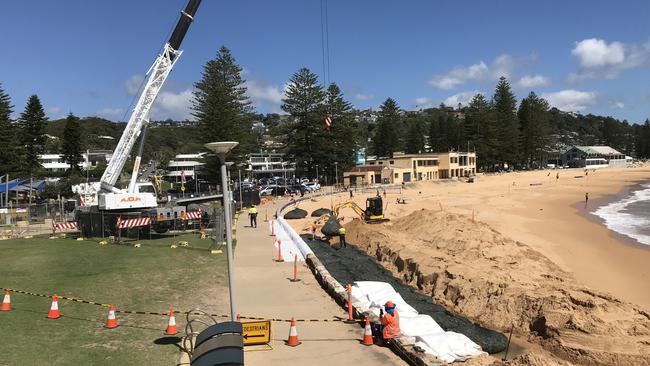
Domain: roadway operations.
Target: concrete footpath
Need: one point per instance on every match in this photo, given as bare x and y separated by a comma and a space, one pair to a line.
263, 289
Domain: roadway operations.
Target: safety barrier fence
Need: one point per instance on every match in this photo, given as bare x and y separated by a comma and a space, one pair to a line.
139, 312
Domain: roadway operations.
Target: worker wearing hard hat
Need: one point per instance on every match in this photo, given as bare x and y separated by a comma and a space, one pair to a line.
389, 322
252, 213
342, 243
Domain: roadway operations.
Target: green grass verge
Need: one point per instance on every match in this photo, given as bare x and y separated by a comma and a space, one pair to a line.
153, 277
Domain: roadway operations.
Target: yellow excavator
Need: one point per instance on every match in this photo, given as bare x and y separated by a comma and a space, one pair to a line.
373, 214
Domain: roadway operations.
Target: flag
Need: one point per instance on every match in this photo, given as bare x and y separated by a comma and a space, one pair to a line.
328, 122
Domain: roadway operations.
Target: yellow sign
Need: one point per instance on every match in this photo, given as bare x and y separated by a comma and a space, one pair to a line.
257, 332
183, 188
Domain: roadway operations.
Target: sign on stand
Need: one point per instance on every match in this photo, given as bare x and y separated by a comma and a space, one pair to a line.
257, 333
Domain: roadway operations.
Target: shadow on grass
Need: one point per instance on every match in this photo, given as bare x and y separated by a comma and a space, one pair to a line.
166, 341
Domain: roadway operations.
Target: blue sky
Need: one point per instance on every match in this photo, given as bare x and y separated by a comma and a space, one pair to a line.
86, 56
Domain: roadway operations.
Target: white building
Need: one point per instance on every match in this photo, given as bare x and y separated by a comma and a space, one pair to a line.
90, 159
269, 164
594, 157
184, 163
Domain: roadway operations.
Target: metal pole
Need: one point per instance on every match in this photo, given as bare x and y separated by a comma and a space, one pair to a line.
336, 169
241, 200
226, 208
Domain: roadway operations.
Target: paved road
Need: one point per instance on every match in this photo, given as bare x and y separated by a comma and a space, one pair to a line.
263, 289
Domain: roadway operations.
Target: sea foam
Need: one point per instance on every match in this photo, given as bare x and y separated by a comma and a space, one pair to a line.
632, 223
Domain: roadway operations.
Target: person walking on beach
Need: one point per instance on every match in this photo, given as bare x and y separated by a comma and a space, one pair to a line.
586, 198
342, 243
252, 213
557, 176
351, 194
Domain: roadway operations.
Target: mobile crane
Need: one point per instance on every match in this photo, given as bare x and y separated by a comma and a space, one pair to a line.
103, 195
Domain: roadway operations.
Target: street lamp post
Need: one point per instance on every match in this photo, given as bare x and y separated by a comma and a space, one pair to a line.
222, 149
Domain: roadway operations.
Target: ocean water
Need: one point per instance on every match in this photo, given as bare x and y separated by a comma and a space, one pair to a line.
630, 216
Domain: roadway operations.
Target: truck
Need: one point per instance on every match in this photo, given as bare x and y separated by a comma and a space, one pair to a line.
139, 199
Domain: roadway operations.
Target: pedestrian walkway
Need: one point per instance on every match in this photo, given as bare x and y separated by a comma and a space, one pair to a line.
263, 289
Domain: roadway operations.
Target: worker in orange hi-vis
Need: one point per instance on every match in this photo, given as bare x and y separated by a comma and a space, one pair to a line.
389, 323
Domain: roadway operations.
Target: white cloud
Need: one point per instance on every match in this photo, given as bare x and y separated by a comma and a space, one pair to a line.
570, 100
532, 81
132, 84
262, 92
599, 60
110, 112
423, 103
595, 52
361, 96
503, 65
617, 105
463, 98
172, 105
54, 110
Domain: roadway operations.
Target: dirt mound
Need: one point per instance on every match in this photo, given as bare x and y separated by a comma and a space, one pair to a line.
473, 270
295, 214
320, 212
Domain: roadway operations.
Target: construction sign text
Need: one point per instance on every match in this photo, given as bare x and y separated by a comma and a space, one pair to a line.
257, 332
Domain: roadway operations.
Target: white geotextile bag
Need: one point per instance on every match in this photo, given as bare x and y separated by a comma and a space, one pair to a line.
419, 324
449, 346
374, 295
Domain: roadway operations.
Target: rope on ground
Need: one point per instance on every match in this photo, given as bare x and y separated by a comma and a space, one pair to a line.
97, 303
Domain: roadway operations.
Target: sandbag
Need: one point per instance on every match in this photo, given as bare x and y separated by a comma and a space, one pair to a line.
331, 227
296, 213
320, 212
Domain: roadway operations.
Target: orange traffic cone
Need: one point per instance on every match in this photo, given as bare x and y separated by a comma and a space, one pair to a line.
171, 325
293, 335
54, 309
367, 334
111, 322
238, 318
266, 215
272, 228
6, 302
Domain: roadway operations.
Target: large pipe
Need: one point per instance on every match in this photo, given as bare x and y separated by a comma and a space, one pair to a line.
183, 24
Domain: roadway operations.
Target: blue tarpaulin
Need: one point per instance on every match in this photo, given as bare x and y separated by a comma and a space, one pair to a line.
22, 185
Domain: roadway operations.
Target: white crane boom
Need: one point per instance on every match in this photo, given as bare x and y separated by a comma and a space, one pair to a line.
104, 192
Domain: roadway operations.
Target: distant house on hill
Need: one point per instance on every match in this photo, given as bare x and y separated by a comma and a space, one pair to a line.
593, 157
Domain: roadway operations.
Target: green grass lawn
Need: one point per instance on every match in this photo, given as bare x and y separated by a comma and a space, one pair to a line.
151, 278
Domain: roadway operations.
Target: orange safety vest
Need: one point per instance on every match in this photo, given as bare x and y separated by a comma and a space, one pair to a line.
391, 325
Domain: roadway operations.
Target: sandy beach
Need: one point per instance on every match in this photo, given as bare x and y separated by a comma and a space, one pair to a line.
546, 213
509, 247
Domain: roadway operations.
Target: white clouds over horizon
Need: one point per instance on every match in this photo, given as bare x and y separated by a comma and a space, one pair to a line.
110, 113
532, 81
132, 84
261, 92
598, 59
503, 65
463, 98
570, 100
363, 97
177, 106
423, 103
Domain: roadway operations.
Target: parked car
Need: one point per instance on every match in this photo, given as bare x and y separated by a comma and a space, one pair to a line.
311, 187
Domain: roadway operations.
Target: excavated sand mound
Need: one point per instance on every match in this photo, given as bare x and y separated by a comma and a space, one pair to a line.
473, 270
